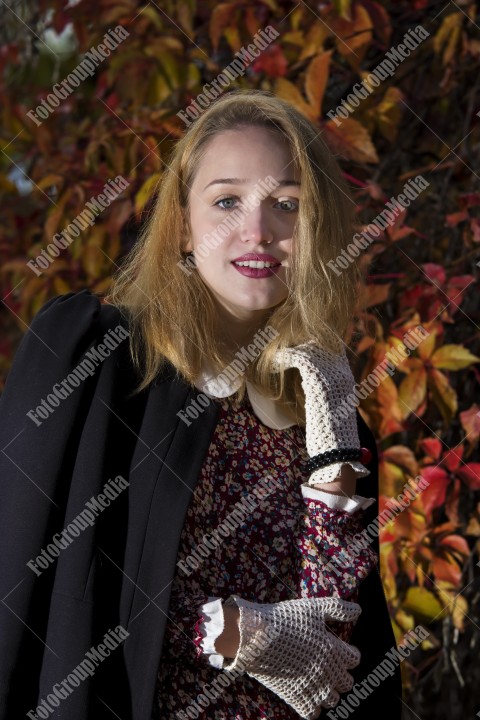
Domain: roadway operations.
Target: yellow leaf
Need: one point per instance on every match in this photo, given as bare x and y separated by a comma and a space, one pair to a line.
448, 36
427, 346
60, 286
185, 17
412, 391
233, 38
389, 113
423, 604
343, 8
455, 602
443, 395
49, 180
39, 300
453, 357
316, 80
92, 260
146, 191
404, 620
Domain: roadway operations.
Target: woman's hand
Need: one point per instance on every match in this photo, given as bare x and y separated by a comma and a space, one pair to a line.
344, 484
287, 647
227, 643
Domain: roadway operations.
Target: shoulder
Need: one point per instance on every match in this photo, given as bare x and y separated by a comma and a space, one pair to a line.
75, 313
60, 334
68, 324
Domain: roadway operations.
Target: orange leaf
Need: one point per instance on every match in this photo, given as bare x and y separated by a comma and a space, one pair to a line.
316, 79
402, 456
221, 18
470, 420
353, 38
447, 570
352, 140
289, 92
374, 294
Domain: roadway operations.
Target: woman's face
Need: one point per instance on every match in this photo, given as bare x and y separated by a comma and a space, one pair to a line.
232, 166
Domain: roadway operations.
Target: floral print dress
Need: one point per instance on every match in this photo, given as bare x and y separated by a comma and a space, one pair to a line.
280, 551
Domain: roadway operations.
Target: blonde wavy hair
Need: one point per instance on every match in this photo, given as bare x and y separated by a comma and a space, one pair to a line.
173, 317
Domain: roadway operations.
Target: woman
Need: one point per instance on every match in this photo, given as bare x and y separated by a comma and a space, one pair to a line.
130, 584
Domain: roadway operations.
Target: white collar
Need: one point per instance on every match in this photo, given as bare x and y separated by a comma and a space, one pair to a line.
266, 409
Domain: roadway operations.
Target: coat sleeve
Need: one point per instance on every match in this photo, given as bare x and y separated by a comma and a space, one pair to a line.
41, 414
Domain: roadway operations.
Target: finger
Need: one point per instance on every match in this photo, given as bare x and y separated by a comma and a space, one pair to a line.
338, 609
345, 683
348, 656
331, 699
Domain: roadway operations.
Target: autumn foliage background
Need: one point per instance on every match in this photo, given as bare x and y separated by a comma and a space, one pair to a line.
425, 269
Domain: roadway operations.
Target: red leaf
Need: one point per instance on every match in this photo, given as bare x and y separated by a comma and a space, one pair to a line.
475, 228
272, 62
470, 474
452, 458
435, 272
434, 495
432, 447
469, 200
454, 218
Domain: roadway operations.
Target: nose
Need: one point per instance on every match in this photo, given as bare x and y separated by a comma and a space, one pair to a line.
256, 227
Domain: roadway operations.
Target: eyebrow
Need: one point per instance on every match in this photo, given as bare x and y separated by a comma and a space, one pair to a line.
241, 181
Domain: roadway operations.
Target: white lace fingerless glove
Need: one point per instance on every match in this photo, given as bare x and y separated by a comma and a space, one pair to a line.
326, 381
287, 647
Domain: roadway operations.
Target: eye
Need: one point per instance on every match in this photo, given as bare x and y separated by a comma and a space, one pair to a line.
293, 205
228, 198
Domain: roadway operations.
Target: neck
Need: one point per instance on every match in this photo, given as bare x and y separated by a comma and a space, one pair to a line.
235, 332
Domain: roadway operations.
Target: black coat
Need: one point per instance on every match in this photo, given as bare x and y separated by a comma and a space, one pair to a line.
119, 571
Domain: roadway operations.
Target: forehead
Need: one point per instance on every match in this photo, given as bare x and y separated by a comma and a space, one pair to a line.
256, 149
